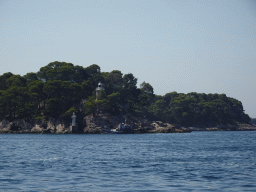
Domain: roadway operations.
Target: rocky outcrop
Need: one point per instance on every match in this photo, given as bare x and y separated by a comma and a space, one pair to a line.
97, 125
36, 126
231, 127
140, 125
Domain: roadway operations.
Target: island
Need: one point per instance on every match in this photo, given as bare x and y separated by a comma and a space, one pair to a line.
46, 102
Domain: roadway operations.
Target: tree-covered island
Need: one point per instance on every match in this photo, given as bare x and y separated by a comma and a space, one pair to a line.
43, 102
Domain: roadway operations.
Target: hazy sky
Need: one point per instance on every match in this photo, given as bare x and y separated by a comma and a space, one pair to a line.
184, 46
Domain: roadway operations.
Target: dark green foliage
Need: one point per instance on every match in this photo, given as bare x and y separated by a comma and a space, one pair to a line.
63, 71
59, 89
146, 96
90, 107
30, 77
114, 100
94, 75
69, 112
113, 82
198, 109
3, 79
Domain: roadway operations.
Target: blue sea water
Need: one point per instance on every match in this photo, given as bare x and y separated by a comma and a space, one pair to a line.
197, 161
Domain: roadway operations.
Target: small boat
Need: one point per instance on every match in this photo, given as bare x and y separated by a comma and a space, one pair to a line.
121, 129
113, 131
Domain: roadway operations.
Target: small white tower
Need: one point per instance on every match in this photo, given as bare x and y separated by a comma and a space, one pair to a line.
98, 89
74, 128
73, 119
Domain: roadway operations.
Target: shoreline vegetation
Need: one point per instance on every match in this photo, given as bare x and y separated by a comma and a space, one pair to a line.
43, 102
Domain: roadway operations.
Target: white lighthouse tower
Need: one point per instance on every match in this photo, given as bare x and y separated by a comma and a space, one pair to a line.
98, 90
73, 119
74, 128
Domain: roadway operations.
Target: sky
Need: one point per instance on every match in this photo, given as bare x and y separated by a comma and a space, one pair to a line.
174, 45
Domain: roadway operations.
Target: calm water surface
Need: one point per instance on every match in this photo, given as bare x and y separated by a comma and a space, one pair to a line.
197, 161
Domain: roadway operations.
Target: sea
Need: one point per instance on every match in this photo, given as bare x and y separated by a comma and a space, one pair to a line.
197, 161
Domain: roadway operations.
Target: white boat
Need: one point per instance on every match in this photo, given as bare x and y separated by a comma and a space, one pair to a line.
121, 128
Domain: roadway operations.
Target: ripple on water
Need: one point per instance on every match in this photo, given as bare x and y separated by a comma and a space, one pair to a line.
200, 161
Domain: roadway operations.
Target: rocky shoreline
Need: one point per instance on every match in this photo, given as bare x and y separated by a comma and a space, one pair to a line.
97, 125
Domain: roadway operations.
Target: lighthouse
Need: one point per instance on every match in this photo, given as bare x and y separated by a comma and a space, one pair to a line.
73, 119
74, 128
98, 90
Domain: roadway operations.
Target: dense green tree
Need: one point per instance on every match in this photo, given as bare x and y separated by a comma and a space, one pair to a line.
63, 71
147, 94
158, 109
169, 96
102, 105
3, 79
31, 77
80, 74
129, 93
69, 112
58, 88
200, 109
113, 82
87, 88
94, 74
114, 99
16, 80
90, 107
15, 99
36, 92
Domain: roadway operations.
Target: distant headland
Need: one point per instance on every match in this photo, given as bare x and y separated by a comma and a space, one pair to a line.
43, 102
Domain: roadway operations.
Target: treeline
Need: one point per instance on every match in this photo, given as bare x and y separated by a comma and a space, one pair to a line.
60, 88
198, 109
57, 89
